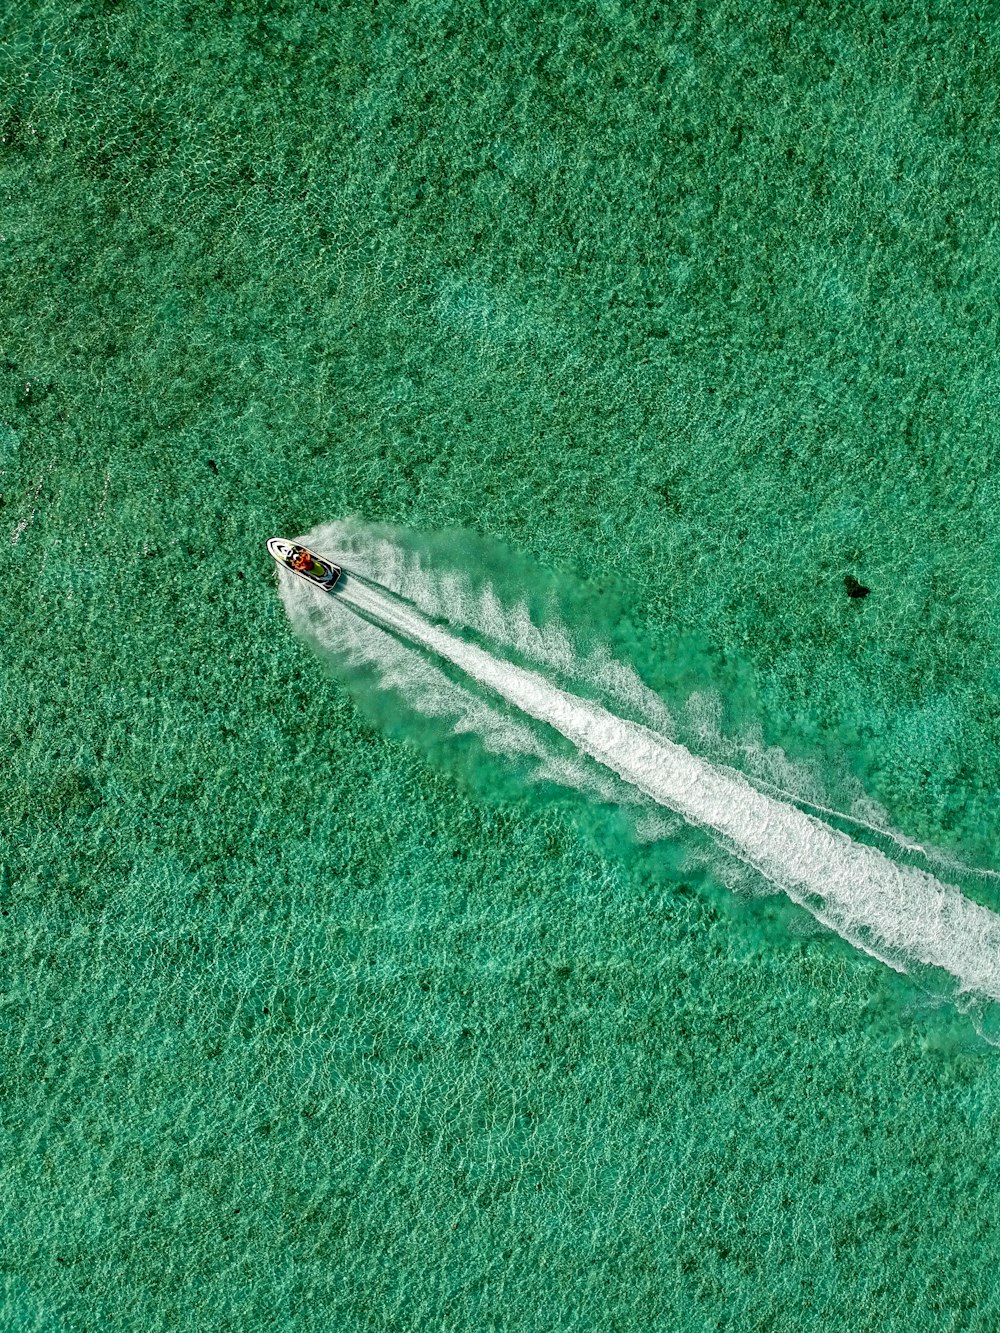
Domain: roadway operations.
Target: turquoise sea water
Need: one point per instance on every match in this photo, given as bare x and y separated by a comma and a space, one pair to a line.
308, 1022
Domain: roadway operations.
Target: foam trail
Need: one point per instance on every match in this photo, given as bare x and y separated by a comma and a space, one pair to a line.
898, 913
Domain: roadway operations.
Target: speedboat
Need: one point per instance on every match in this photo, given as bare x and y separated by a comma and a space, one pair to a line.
307, 564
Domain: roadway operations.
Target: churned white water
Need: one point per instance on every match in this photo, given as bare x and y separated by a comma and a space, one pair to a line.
898, 913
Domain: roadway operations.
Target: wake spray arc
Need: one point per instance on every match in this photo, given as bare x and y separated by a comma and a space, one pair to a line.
897, 913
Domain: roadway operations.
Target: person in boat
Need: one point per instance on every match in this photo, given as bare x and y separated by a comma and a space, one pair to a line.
302, 562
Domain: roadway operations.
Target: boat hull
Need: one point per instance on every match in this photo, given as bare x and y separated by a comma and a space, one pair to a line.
298, 559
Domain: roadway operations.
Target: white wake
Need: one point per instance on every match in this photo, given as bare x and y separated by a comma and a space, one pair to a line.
898, 913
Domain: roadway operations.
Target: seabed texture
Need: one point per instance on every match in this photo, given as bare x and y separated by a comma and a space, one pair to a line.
304, 1027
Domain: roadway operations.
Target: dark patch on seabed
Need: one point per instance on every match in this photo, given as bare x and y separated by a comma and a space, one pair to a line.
854, 588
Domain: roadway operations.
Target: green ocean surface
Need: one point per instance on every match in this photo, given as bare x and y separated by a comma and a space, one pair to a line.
693, 305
